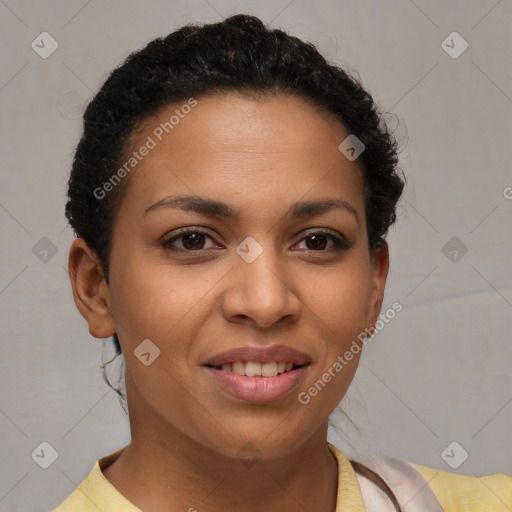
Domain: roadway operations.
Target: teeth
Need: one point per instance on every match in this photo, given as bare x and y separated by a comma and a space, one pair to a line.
252, 369
257, 369
239, 368
269, 369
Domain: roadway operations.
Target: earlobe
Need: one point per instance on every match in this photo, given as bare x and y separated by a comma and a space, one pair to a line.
379, 268
90, 291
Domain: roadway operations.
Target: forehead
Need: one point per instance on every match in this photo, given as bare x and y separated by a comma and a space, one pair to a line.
253, 149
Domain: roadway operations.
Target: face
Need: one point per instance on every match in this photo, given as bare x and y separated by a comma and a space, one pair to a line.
269, 277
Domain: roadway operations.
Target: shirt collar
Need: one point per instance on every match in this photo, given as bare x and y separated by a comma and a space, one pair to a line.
348, 496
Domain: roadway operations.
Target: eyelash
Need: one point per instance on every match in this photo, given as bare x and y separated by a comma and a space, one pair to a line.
339, 244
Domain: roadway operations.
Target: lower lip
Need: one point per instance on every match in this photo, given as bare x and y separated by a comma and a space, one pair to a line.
258, 389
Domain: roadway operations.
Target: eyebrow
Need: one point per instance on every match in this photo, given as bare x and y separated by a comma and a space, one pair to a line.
297, 210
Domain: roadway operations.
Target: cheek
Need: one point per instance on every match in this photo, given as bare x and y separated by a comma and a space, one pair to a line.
339, 303
340, 299
156, 299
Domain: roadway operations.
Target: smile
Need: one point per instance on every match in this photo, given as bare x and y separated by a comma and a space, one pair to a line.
258, 373
251, 387
258, 369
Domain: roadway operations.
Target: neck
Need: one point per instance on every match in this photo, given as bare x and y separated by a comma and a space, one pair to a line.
164, 470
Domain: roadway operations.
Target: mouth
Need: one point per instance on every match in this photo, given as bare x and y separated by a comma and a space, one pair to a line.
258, 374
257, 368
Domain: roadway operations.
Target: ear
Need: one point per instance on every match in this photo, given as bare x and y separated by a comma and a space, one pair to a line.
379, 265
90, 291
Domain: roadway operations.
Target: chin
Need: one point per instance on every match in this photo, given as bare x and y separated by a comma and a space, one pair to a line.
255, 442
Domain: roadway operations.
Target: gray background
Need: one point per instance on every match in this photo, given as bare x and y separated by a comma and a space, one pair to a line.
438, 373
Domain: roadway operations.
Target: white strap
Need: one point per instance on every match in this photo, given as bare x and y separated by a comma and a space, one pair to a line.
410, 488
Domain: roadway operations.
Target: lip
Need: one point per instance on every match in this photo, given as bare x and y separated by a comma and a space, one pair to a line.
258, 389
260, 354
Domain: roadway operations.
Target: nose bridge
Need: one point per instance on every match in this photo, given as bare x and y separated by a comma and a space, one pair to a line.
263, 292
261, 265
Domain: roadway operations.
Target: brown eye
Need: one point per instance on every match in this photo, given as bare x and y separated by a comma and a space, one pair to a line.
318, 242
191, 240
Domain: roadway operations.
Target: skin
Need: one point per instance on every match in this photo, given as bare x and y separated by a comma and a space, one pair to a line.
188, 435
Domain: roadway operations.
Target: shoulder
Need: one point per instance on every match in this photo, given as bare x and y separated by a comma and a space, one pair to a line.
421, 488
95, 492
418, 488
86, 497
465, 492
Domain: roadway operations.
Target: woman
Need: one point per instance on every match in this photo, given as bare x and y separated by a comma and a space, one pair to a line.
231, 194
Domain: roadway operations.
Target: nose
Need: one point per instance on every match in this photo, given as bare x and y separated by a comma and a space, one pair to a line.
261, 291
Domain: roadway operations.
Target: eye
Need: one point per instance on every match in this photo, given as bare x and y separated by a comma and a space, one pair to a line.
316, 241
192, 239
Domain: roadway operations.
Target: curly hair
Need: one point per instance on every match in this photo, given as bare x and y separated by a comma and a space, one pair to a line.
238, 54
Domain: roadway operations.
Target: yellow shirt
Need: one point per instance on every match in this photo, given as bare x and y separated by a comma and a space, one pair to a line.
455, 493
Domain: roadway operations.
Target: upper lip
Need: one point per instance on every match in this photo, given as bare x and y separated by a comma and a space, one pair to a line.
260, 354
